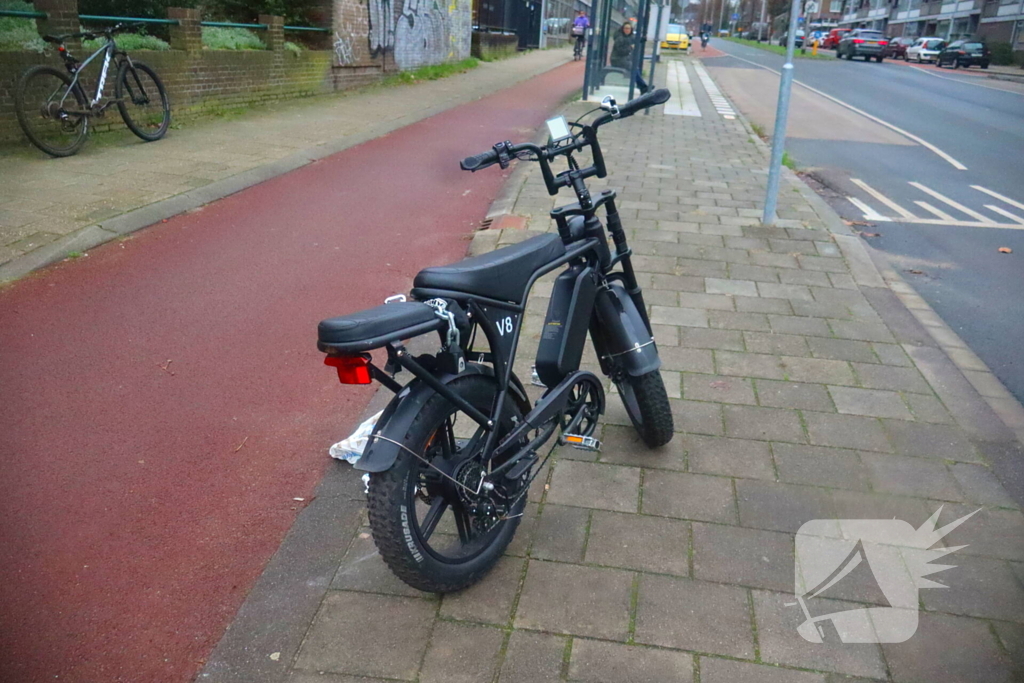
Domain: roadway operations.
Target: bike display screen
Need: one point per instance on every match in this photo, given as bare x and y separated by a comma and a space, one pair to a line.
558, 128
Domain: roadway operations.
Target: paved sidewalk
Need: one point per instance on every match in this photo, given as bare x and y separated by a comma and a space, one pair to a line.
802, 389
52, 207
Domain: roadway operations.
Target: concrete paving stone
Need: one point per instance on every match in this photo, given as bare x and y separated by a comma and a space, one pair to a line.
490, 600
729, 340
776, 344
694, 615
677, 283
685, 317
622, 446
521, 542
772, 291
818, 466
598, 662
363, 569
533, 658
715, 302
754, 322
846, 431
863, 331
864, 505
827, 249
768, 424
822, 263
584, 484
842, 281
576, 600
989, 533
689, 496
766, 232
678, 226
324, 677
699, 239
748, 557
818, 370
639, 542
789, 324
747, 243
687, 359
461, 653
781, 507
928, 657
780, 643
666, 335
816, 309
911, 477
745, 288
755, 273
697, 417
980, 486
718, 388
842, 349
391, 645
702, 269
654, 264
1012, 638
661, 297
714, 670
792, 395
758, 305
930, 441
804, 277
561, 533
728, 457
977, 587
870, 402
773, 260
874, 376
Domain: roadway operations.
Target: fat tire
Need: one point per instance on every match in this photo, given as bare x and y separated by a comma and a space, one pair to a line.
122, 72
20, 106
654, 422
385, 500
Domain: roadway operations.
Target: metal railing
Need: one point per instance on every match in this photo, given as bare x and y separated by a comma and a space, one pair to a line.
134, 20
307, 28
21, 14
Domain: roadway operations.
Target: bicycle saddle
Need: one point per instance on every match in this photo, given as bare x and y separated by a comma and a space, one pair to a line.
502, 274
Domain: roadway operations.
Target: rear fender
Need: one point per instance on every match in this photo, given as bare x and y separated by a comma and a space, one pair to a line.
380, 455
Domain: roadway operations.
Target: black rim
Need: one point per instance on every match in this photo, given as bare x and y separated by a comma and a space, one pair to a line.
453, 518
144, 101
628, 395
49, 114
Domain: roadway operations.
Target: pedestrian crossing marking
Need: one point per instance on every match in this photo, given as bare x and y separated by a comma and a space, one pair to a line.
683, 101
721, 104
938, 216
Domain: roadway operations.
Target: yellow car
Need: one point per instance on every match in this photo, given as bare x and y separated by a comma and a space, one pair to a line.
676, 39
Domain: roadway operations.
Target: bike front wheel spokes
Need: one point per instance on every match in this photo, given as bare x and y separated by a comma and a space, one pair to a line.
50, 112
142, 101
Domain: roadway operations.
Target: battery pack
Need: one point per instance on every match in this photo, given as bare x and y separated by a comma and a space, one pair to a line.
566, 325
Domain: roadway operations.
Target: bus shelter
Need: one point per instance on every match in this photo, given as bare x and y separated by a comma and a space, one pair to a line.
611, 69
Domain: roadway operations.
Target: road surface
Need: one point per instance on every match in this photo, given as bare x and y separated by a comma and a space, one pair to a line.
932, 216
165, 406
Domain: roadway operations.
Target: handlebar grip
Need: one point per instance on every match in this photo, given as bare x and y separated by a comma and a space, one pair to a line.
479, 161
650, 99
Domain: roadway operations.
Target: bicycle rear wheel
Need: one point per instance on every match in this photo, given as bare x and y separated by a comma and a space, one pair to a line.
46, 111
142, 101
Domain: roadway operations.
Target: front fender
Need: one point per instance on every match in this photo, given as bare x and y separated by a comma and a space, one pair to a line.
621, 336
398, 416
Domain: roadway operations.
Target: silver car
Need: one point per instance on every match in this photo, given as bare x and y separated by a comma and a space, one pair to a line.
925, 49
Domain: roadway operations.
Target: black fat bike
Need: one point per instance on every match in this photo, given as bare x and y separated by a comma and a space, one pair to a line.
453, 455
54, 109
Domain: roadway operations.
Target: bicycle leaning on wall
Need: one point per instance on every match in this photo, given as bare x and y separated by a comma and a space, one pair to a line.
54, 109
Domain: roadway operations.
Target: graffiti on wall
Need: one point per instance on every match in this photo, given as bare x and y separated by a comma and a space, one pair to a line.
424, 32
342, 51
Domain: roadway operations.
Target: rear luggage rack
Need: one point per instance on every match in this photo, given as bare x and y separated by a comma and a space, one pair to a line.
376, 327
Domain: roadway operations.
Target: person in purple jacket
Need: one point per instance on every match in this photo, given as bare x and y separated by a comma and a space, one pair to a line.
579, 29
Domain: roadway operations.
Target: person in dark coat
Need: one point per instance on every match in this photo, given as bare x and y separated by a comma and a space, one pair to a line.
622, 53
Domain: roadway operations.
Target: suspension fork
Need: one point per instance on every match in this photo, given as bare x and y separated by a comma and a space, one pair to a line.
624, 255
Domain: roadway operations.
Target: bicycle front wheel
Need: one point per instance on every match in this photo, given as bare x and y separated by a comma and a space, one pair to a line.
142, 100
50, 112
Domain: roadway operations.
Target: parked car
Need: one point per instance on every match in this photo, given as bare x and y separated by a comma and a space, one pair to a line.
925, 49
964, 53
799, 41
898, 47
862, 42
831, 41
676, 39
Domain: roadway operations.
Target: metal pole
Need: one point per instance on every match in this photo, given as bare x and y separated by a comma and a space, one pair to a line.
771, 198
542, 39
721, 18
760, 28
638, 46
655, 51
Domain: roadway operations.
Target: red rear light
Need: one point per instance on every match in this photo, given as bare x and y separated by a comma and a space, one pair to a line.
883, 42
960, 52
858, 41
351, 369
61, 49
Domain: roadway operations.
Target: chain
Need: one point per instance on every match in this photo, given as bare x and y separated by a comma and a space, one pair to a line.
440, 307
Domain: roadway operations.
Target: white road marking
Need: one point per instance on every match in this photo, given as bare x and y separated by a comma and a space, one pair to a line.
960, 80
998, 196
683, 102
940, 217
956, 205
721, 104
882, 198
956, 164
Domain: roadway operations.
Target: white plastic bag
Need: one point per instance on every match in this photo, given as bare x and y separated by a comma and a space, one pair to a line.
351, 448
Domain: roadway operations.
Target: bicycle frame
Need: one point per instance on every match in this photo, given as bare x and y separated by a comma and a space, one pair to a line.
109, 51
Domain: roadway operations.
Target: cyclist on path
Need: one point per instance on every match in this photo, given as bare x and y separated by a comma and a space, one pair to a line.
579, 29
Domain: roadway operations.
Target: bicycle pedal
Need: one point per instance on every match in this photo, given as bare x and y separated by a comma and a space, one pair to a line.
583, 443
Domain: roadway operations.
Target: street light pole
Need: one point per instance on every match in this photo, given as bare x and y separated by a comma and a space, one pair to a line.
781, 113
721, 18
760, 27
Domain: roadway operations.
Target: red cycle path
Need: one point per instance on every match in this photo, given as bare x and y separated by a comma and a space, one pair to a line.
164, 401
